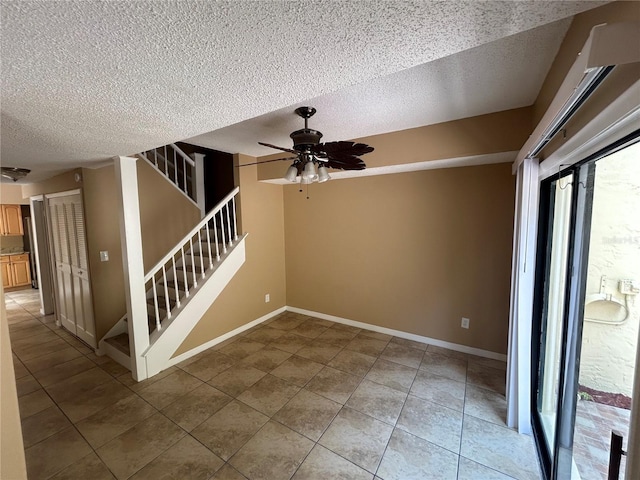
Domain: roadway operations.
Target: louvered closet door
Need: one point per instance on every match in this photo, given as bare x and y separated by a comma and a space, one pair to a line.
72, 266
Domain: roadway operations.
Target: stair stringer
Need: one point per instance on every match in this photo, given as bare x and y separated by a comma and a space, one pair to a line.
158, 354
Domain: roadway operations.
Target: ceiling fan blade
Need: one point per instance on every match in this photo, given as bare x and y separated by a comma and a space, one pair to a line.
277, 148
342, 148
352, 165
267, 161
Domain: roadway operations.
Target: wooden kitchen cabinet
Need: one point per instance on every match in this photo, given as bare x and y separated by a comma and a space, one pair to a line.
15, 270
12, 220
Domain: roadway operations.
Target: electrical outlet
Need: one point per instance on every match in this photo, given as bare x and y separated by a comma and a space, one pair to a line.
464, 323
267, 298
628, 287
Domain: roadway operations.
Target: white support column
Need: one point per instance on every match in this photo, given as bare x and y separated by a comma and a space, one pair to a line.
522, 287
132, 262
199, 159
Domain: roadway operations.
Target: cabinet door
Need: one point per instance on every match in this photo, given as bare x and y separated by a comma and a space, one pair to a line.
12, 220
20, 273
6, 275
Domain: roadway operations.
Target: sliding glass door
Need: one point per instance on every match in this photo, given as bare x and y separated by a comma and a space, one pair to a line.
566, 206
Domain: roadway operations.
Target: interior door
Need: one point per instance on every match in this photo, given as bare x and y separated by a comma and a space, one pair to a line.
73, 288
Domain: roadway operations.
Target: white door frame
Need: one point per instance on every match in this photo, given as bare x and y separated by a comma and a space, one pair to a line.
42, 254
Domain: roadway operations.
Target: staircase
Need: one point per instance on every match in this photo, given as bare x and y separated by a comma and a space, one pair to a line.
184, 172
181, 287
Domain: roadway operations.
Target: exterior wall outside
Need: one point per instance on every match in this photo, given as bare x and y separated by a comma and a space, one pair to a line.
414, 252
242, 301
609, 351
11, 194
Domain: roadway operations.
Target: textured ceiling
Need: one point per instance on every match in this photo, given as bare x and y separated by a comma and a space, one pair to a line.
85, 80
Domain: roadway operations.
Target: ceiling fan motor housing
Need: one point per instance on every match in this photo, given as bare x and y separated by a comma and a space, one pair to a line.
304, 139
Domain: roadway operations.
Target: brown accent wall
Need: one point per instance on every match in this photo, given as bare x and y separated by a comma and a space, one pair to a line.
414, 252
166, 215
242, 301
492, 133
103, 233
573, 42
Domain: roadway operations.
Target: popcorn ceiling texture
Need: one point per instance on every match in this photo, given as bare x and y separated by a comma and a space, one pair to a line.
85, 80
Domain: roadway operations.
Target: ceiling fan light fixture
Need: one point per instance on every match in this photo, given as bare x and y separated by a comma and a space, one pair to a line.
14, 173
323, 174
292, 173
310, 171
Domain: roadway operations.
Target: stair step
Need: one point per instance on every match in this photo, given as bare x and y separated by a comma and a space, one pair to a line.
189, 268
180, 283
120, 342
162, 303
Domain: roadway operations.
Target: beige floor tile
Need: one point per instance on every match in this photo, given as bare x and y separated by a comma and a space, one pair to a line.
432, 422
19, 369
366, 345
377, 401
21, 341
265, 334
391, 374
52, 359
94, 400
333, 384
227, 472
377, 335
470, 470
486, 377
135, 448
169, 389
410, 457
352, 362
63, 371
346, 328
34, 351
186, 459
137, 386
34, 402
266, 359
322, 463
107, 424
320, 322
236, 379
437, 389
411, 357
290, 342
28, 332
42, 425
229, 429
274, 453
285, 323
332, 335
309, 329
55, 453
113, 368
208, 366
499, 448
358, 438
269, 394
78, 384
297, 370
195, 407
446, 351
241, 348
89, 467
409, 343
319, 352
308, 414
27, 385
488, 362
486, 405
445, 366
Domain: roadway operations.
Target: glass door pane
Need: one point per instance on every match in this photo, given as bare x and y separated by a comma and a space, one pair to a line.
555, 287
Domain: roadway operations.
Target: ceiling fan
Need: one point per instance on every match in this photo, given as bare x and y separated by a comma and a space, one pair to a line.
312, 158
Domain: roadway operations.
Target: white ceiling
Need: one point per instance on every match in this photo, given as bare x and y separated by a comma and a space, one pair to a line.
83, 81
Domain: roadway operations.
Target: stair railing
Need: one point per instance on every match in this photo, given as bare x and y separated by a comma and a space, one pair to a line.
176, 166
191, 260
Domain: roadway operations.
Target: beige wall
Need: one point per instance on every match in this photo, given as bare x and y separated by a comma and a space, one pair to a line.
103, 233
242, 301
414, 252
11, 194
492, 133
166, 215
12, 464
59, 183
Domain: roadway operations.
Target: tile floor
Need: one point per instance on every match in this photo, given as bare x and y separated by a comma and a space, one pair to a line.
295, 397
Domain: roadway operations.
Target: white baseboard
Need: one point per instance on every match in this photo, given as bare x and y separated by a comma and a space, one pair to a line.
398, 333
222, 338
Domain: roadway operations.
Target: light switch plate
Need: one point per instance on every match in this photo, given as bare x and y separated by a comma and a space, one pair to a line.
104, 256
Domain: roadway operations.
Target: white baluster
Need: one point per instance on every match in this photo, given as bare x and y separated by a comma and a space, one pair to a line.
215, 235
167, 301
200, 253
206, 225
184, 272
175, 167
184, 176
155, 301
229, 225
166, 163
193, 264
235, 222
176, 288
224, 242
